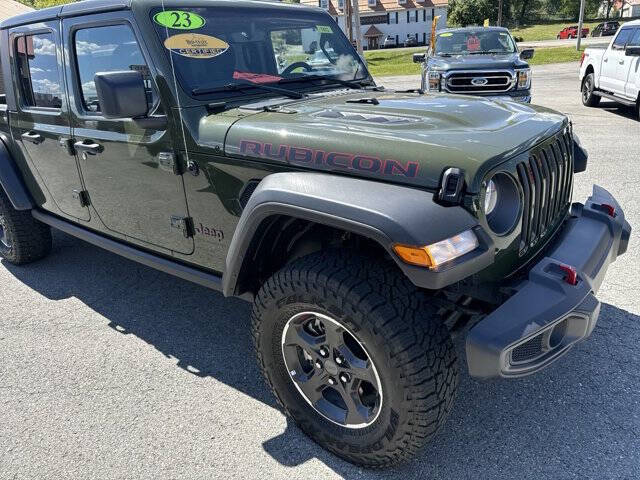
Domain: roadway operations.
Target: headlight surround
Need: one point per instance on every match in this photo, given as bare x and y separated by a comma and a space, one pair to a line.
524, 79
501, 203
433, 80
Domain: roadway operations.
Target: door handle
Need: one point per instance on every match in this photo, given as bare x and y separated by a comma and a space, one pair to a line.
33, 137
605, 60
88, 147
621, 62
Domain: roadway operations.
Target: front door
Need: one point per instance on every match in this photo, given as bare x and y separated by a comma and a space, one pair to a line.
632, 70
41, 122
614, 60
126, 168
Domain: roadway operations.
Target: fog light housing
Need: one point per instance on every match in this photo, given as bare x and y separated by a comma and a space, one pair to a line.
437, 254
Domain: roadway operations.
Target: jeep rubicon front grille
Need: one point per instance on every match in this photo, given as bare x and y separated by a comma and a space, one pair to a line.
547, 184
480, 82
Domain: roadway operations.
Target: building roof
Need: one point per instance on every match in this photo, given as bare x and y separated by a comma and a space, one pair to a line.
11, 8
373, 32
382, 6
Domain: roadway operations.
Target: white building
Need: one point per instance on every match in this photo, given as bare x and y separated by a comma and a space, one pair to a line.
398, 18
630, 8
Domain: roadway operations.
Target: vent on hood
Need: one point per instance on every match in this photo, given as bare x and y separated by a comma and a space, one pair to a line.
366, 117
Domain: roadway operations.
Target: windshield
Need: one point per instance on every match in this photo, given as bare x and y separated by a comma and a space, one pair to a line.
213, 48
469, 42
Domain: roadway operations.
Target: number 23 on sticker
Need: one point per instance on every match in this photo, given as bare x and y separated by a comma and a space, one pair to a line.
179, 20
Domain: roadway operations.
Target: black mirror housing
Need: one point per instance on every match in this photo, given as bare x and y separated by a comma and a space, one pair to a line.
419, 57
527, 53
632, 51
121, 94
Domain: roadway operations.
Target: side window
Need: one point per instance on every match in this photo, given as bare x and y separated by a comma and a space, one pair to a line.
38, 71
622, 38
635, 38
113, 48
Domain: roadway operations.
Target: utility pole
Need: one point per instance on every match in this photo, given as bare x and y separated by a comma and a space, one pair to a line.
500, 13
348, 26
356, 21
580, 22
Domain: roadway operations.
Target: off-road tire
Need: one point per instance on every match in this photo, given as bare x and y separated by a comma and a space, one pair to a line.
589, 99
409, 345
28, 239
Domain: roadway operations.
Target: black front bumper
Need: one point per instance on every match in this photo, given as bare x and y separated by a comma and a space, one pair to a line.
548, 315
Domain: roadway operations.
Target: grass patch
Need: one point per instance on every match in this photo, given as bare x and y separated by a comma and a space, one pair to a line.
534, 33
399, 61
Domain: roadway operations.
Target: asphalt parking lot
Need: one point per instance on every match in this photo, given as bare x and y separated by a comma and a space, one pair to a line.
111, 370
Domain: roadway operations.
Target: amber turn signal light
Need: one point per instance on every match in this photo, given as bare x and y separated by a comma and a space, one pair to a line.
413, 255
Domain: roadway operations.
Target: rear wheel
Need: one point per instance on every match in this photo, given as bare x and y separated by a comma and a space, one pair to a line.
22, 238
589, 99
356, 356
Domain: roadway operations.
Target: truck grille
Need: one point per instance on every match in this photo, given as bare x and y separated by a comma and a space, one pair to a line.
473, 82
547, 184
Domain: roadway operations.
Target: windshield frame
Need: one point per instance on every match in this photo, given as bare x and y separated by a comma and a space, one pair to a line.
468, 32
362, 74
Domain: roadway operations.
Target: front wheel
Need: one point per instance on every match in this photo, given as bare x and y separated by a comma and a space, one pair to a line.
589, 99
356, 356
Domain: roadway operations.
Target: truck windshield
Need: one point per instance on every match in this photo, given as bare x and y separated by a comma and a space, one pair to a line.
469, 42
214, 48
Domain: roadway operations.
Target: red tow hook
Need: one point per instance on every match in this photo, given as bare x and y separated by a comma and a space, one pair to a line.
608, 209
572, 274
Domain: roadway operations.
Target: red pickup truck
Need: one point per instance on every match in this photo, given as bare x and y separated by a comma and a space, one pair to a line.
571, 32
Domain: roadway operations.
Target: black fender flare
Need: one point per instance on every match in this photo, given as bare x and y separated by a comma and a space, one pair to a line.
12, 183
388, 214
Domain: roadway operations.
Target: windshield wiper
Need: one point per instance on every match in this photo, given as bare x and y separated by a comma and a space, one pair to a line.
483, 52
345, 83
246, 86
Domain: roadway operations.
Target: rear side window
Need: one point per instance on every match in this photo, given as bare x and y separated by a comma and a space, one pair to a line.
113, 48
622, 38
635, 38
38, 71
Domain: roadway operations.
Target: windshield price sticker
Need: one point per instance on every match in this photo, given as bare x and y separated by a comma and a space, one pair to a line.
179, 20
324, 29
194, 45
447, 34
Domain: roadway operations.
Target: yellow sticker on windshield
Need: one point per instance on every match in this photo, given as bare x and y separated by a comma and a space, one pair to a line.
195, 45
448, 34
324, 29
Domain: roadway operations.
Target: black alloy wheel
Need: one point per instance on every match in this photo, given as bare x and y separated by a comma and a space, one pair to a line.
332, 370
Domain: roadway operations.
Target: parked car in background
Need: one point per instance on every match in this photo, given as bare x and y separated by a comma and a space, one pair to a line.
389, 42
605, 29
411, 42
571, 32
613, 72
483, 61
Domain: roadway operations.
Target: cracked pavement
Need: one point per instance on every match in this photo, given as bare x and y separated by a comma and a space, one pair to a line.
111, 370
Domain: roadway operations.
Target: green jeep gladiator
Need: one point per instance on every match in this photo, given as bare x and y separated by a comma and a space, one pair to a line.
244, 146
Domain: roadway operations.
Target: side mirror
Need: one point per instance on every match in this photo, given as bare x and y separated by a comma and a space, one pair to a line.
419, 57
527, 53
632, 51
121, 94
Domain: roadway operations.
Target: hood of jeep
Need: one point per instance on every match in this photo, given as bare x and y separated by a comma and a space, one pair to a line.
404, 138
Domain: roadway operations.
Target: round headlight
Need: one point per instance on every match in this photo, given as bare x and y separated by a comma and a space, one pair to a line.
490, 198
502, 203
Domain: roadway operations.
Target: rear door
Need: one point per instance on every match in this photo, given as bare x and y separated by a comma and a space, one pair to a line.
632, 73
41, 122
127, 169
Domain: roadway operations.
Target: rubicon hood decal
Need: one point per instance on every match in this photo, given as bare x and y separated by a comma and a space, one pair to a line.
307, 157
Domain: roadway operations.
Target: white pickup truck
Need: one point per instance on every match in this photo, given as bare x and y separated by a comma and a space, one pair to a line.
613, 73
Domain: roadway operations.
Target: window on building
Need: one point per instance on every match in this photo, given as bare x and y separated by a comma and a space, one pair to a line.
341, 4
108, 49
323, 4
402, 2
38, 71
372, 3
408, 20
424, 16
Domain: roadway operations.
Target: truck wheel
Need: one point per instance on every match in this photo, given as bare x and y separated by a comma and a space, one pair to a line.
588, 97
22, 238
356, 356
